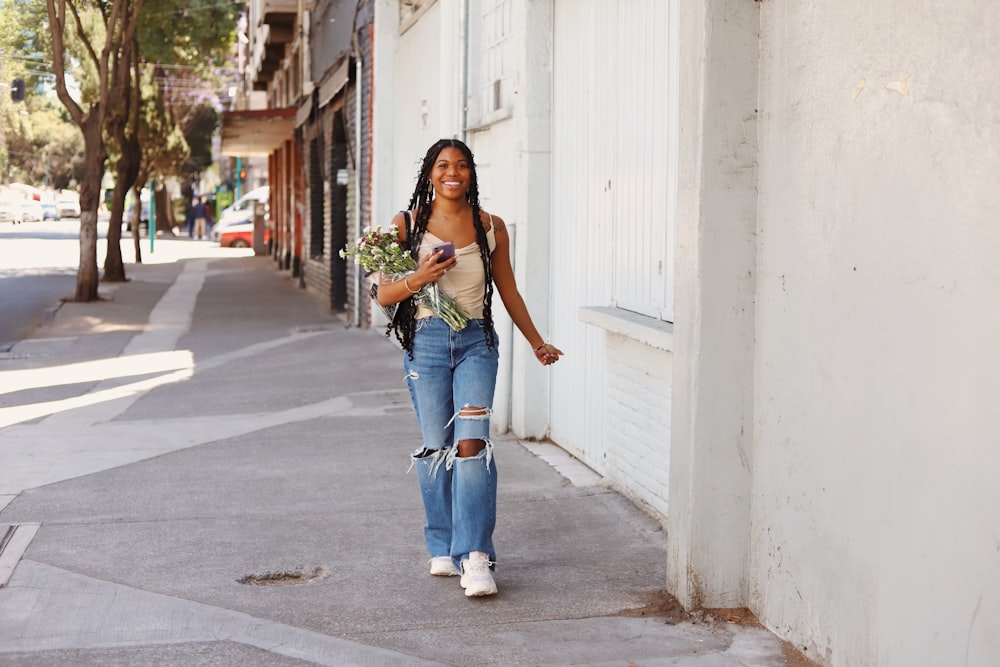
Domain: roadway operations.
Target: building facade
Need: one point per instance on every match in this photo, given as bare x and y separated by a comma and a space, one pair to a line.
306, 62
763, 236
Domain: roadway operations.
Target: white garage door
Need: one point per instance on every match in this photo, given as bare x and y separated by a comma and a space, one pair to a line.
613, 138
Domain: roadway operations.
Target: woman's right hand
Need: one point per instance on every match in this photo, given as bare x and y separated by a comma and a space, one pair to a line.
430, 270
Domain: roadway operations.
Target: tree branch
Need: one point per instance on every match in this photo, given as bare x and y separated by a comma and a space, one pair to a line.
84, 39
57, 28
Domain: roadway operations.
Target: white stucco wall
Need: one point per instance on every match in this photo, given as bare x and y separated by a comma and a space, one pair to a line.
711, 446
875, 507
514, 172
496, 167
420, 104
384, 201
531, 396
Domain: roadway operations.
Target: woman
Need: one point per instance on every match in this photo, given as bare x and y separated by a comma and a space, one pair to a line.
452, 374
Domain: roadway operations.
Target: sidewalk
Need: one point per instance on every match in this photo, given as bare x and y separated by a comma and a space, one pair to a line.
209, 469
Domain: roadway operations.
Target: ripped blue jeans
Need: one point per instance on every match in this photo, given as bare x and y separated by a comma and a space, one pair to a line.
451, 378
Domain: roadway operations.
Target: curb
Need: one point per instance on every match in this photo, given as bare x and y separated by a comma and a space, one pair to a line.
13, 543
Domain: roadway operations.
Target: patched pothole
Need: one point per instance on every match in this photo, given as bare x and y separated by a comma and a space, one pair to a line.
286, 578
311, 328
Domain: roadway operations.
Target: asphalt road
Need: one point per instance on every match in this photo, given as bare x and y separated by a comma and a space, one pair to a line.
38, 263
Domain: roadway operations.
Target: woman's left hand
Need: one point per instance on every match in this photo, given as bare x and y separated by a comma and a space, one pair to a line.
547, 354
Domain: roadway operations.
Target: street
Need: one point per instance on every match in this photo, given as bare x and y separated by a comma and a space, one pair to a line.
38, 264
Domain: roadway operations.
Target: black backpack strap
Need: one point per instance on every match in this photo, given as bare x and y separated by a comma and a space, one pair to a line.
409, 231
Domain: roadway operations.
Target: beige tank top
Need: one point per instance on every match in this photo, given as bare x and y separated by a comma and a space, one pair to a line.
466, 282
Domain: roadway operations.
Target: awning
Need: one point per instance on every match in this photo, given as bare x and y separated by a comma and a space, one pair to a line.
257, 132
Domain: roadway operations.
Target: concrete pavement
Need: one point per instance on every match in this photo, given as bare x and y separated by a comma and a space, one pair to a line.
207, 468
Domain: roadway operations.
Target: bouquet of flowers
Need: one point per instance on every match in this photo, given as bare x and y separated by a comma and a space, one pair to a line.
379, 250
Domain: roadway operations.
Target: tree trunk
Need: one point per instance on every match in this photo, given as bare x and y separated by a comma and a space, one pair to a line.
121, 21
90, 189
136, 232
126, 171
137, 188
164, 217
126, 167
114, 267
86, 273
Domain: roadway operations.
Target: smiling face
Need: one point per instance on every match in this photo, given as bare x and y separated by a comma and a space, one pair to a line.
451, 174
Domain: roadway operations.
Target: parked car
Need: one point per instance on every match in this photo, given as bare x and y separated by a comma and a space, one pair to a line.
242, 209
238, 235
10, 210
31, 211
69, 204
50, 211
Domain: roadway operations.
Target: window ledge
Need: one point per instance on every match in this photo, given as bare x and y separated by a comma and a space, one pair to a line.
646, 330
491, 119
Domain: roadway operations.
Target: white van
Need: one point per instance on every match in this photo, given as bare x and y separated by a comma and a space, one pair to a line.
68, 203
242, 209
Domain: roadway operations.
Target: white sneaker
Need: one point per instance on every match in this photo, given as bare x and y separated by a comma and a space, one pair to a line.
477, 579
443, 566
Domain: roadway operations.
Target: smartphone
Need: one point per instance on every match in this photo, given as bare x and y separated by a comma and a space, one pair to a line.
447, 250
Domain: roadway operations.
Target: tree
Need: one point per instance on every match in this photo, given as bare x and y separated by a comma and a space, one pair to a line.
42, 144
201, 124
161, 145
123, 128
103, 45
110, 60
192, 68
182, 66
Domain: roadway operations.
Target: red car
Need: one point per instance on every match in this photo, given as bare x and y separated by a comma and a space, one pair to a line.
240, 235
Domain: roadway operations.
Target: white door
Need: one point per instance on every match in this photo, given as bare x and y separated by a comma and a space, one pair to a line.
612, 142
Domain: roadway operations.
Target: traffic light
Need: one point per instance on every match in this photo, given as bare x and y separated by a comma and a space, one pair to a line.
17, 90
243, 174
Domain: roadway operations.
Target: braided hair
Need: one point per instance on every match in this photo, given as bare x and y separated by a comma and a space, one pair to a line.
423, 194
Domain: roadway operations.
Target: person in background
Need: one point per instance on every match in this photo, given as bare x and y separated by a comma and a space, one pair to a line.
209, 216
189, 218
200, 219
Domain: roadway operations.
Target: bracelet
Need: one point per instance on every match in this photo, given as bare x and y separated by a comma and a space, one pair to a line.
540, 347
407, 286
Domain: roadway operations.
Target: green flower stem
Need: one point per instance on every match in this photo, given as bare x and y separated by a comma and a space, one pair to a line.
441, 305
